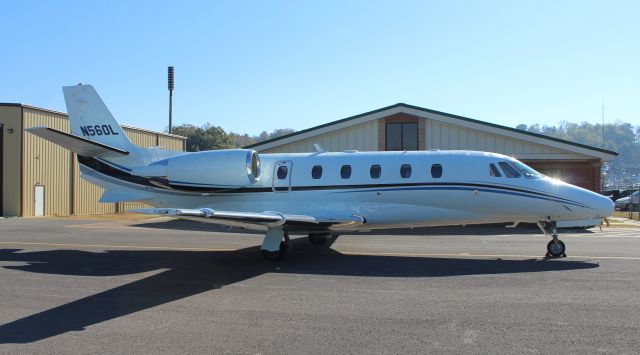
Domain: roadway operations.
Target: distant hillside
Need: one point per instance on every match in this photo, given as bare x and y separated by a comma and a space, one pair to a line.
210, 137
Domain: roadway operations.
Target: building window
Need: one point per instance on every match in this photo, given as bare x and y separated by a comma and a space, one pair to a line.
436, 171
316, 172
345, 171
375, 171
405, 171
402, 136
282, 172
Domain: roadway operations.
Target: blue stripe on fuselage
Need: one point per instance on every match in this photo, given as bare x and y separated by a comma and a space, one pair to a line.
456, 188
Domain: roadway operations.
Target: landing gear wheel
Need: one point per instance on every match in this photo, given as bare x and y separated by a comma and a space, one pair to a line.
319, 238
277, 255
556, 248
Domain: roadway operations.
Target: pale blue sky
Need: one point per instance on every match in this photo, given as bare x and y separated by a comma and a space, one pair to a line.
250, 66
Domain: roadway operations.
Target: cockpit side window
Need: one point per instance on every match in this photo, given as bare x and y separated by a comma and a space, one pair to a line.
509, 170
493, 171
526, 170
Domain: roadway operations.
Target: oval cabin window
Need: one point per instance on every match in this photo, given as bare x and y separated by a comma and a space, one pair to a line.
405, 171
282, 172
345, 171
316, 172
375, 171
436, 171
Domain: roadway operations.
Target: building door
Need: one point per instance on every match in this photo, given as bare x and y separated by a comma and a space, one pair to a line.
1, 165
39, 205
282, 176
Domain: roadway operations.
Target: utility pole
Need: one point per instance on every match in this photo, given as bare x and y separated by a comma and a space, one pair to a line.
603, 126
170, 98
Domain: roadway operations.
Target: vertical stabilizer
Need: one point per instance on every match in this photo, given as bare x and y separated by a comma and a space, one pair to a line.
90, 118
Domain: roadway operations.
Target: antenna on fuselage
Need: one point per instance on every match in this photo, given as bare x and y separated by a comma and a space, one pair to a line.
319, 148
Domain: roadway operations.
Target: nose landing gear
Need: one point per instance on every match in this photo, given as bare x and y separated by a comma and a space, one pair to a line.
555, 247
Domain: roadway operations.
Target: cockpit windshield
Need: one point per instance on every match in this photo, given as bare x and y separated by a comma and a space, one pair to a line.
525, 170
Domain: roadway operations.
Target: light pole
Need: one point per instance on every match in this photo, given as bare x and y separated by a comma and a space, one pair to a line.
170, 97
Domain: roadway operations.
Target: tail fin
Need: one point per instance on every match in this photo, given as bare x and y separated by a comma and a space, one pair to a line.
90, 118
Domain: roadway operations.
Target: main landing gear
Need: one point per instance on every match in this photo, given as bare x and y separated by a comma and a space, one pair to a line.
276, 244
555, 247
319, 238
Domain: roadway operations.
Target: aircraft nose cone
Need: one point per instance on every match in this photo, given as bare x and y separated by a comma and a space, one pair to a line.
605, 206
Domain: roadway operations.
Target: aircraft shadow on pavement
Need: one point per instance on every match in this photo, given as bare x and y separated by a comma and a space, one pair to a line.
187, 273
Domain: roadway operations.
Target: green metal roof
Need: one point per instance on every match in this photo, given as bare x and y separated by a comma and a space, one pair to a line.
437, 113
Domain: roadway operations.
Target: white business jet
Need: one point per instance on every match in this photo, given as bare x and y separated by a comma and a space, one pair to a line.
318, 193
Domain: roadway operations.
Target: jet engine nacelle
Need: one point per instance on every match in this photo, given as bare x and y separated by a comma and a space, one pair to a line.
233, 167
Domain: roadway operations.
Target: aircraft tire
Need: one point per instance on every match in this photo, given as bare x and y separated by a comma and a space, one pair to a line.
276, 255
556, 248
319, 238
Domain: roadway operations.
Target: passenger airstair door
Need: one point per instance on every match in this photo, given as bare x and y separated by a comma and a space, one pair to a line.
282, 176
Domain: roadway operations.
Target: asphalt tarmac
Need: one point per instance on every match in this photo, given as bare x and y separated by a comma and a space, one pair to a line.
163, 286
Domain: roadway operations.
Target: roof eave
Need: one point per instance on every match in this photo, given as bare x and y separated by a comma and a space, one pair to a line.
604, 153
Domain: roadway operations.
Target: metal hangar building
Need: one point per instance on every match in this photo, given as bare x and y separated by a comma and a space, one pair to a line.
40, 178
407, 127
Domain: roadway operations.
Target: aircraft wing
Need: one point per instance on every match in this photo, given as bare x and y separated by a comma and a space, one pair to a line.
255, 219
78, 145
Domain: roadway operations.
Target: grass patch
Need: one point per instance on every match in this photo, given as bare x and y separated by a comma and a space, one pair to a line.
625, 214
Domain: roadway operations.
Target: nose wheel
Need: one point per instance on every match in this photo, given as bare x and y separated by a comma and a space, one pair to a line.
556, 248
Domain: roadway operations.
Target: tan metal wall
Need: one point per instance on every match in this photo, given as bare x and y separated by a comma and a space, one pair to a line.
439, 135
11, 118
433, 134
86, 195
171, 143
362, 137
45, 163
142, 139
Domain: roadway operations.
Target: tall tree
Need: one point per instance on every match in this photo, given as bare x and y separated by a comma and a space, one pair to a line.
207, 137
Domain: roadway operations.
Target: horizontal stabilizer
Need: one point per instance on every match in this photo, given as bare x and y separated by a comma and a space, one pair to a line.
78, 145
123, 196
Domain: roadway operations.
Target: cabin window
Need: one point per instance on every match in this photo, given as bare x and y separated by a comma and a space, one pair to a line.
405, 171
493, 171
401, 136
436, 171
509, 171
345, 171
316, 171
282, 172
375, 171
